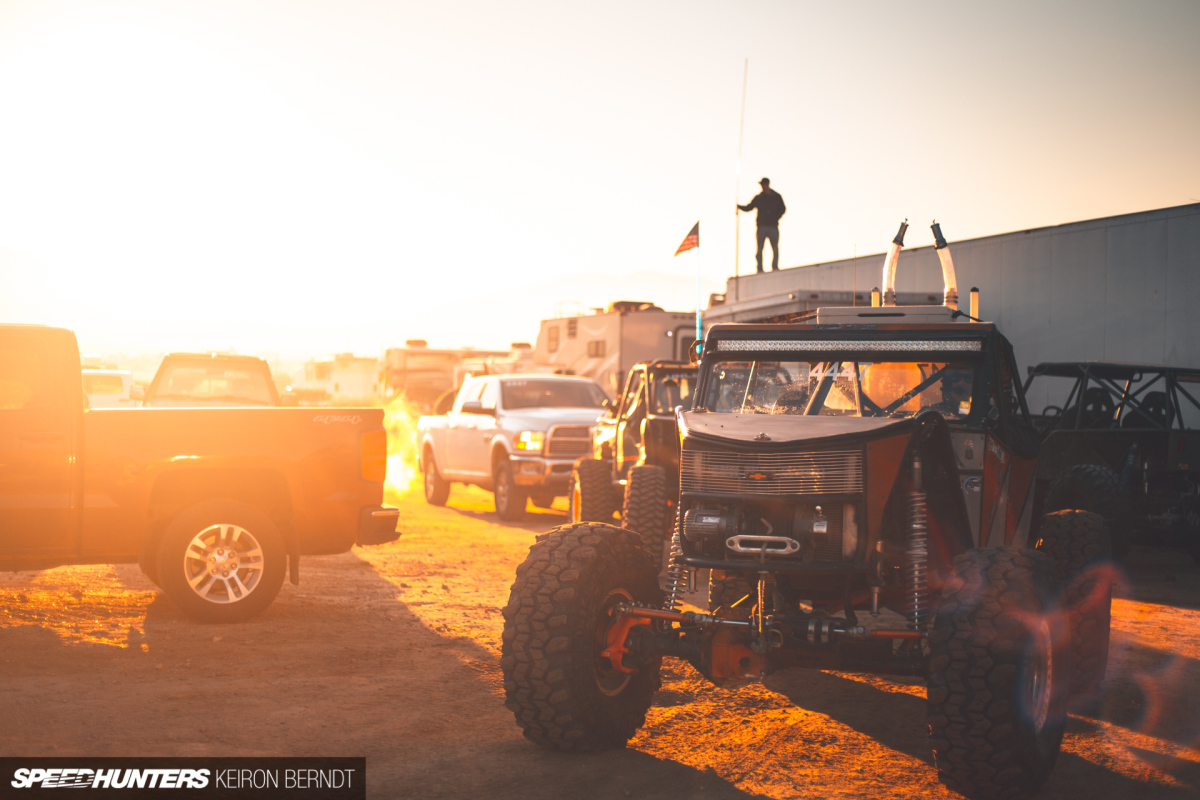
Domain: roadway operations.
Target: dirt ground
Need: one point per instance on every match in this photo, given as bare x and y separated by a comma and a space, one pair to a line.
391, 653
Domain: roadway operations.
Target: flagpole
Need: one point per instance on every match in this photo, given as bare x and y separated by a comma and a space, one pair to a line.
698, 293
737, 192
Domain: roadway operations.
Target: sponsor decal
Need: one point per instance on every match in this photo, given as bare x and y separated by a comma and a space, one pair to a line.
997, 451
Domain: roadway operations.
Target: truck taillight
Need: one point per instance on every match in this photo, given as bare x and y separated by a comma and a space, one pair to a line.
373, 452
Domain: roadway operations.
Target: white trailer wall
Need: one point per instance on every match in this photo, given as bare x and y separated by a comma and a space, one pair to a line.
1123, 288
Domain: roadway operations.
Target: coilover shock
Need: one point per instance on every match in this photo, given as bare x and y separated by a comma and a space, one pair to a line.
675, 570
916, 554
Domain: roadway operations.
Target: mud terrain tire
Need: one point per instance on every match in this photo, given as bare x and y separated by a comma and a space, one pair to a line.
1079, 544
998, 680
564, 695
645, 508
591, 496
1095, 488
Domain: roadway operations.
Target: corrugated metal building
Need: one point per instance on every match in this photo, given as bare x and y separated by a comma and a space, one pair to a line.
1123, 288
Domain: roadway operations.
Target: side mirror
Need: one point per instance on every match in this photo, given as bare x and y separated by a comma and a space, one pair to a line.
695, 351
476, 407
137, 393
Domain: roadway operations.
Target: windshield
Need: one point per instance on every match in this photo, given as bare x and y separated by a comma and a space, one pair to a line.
527, 393
840, 388
226, 382
672, 389
103, 383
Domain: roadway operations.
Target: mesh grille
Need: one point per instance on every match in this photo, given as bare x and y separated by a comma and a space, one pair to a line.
570, 440
837, 472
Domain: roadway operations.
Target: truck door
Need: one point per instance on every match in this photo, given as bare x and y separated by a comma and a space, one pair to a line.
477, 449
41, 391
462, 431
629, 421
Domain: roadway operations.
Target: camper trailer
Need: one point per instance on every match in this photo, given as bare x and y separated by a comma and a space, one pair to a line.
604, 345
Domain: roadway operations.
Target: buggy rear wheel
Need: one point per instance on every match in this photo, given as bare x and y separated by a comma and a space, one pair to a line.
645, 509
591, 496
1095, 488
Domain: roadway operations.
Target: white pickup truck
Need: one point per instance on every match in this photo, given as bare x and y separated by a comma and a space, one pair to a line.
515, 435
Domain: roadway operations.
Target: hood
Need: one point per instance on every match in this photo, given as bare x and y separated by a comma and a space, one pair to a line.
784, 429
545, 418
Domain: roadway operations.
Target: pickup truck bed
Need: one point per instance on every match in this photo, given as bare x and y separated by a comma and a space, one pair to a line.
169, 488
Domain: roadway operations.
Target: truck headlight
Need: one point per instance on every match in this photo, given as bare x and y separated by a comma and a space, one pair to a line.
530, 441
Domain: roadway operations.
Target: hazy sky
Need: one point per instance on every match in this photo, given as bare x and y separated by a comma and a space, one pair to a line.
311, 177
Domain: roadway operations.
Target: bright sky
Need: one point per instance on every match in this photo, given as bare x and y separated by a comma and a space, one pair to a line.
311, 176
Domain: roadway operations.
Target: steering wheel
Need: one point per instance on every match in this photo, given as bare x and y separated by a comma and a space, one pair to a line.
1056, 409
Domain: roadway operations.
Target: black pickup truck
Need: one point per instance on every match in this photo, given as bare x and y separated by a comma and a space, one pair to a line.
215, 504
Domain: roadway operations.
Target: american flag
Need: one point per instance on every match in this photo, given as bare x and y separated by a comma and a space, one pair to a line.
691, 240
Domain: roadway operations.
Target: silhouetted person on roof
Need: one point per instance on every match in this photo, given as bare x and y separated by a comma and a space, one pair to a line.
770, 208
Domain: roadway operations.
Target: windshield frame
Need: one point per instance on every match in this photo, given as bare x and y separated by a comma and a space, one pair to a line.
830, 372
874, 347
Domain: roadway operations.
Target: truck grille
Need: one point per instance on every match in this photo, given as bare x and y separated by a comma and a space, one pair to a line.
829, 472
569, 441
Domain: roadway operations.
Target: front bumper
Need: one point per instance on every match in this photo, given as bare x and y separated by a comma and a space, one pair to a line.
377, 525
552, 474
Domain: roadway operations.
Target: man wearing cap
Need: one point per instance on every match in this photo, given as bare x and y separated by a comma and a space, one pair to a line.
770, 208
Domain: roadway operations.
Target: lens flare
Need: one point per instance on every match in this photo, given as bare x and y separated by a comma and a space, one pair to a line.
400, 419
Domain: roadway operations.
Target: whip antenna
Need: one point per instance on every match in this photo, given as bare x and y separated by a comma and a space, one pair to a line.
737, 189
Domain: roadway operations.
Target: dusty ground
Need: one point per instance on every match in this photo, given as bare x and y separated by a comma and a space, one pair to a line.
391, 653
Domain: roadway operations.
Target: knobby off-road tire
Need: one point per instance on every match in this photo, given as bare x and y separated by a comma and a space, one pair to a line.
1095, 488
509, 498
591, 496
564, 695
221, 561
645, 508
437, 488
1079, 544
731, 594
998, 674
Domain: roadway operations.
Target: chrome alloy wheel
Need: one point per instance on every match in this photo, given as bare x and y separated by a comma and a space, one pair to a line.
223, 563
1040, 676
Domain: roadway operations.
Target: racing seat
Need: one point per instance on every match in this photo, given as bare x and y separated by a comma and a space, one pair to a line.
1095, 410
1152, 411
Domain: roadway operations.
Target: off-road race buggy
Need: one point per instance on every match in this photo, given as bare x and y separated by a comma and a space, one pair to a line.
634, 467
1122, 440
860, 491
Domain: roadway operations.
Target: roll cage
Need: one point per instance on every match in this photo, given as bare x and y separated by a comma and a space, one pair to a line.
1108, 395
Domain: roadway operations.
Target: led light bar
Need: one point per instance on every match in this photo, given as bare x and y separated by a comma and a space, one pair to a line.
743, 345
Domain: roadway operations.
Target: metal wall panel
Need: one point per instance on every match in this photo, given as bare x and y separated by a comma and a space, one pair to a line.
1181, 329
1119, 288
